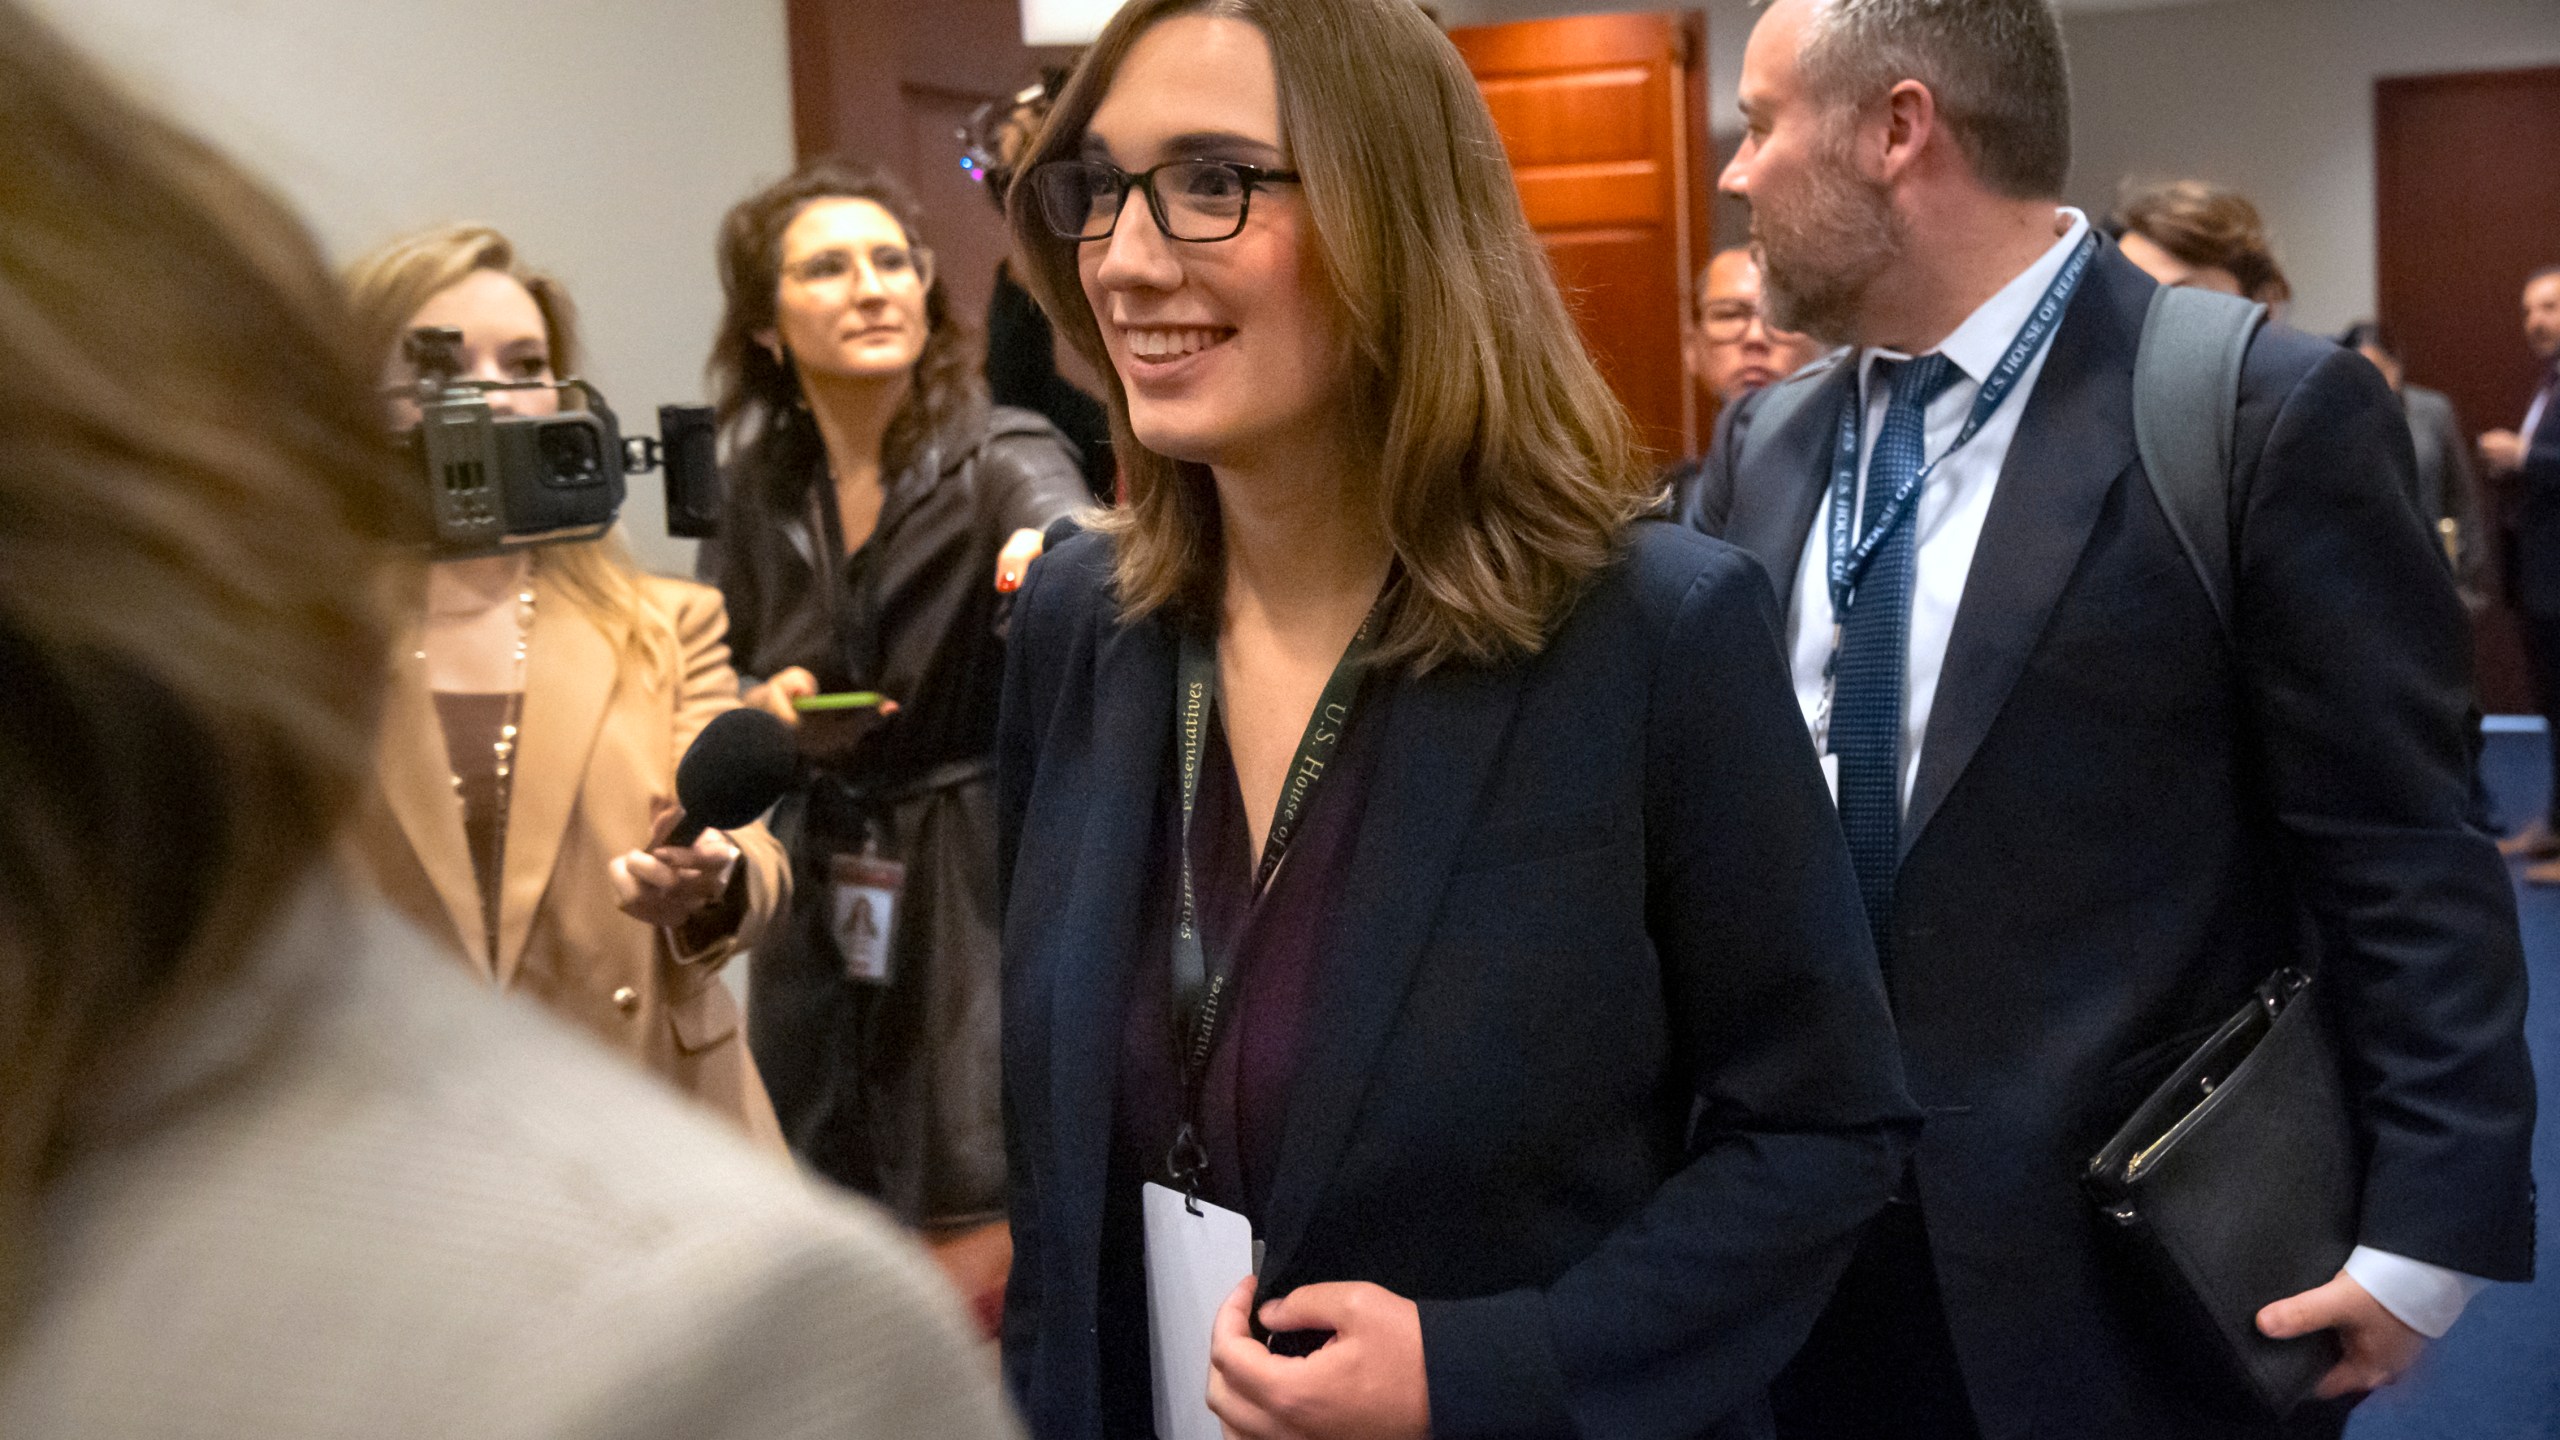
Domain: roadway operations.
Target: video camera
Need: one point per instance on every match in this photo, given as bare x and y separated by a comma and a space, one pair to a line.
503, 482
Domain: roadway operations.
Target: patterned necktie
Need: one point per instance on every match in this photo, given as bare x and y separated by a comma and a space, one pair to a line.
1866, 710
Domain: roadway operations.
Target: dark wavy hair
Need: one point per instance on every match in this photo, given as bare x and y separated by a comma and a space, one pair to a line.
770, 437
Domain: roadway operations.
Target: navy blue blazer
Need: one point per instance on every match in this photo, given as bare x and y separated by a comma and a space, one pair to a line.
1600, 1074
2122, 823
2537, 540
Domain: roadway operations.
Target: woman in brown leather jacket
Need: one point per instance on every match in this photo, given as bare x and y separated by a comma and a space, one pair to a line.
871, 492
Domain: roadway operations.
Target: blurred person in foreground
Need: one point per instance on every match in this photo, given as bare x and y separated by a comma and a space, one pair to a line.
1414, 861
2088, 821
536, 709
2448, 487
2193, 232
271, 1167
2527, 459
1731, 348
878, 510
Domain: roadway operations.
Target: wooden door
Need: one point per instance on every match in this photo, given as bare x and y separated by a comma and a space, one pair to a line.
1604, 119
883, 81
2467, 203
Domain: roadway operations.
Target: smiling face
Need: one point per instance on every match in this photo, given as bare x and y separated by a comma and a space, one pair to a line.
851, 301
504, 339
1232, 350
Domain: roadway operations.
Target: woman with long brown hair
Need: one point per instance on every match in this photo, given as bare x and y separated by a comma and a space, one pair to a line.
1424, 913
873, 498
535, 716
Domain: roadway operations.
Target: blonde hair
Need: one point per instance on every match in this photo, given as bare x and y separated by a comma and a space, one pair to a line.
1508, 470
197, 509
390, 284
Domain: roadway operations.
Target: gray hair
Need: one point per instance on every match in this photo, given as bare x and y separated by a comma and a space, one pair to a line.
1996, 67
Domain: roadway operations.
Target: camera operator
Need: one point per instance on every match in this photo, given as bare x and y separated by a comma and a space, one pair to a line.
535, 717
1022, 349
876, 501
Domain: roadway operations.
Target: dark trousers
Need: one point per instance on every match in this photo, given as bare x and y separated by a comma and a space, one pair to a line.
1880, 1361
2542, 663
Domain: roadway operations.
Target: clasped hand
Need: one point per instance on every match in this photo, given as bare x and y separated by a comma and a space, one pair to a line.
2378, 1347
667, 885
1366, 1383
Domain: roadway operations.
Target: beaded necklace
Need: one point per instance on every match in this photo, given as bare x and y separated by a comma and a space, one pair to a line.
504, 750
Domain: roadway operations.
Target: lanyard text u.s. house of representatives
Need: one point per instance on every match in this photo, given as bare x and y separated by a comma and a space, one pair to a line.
1851, 554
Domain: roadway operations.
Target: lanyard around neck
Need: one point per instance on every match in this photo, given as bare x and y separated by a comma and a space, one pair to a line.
1199, 986
1849, 560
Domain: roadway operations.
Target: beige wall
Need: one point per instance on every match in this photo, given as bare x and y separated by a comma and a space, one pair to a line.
2276, 97
605, 136
2273, 96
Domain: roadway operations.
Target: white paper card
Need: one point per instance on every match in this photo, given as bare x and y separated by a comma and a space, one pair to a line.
1193, 1263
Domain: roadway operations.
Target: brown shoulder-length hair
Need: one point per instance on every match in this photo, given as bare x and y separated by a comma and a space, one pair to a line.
2207, 226
388, 285
198, 513
1507, 468
771, 438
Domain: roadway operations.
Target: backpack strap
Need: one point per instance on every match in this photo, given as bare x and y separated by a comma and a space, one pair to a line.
2186, 405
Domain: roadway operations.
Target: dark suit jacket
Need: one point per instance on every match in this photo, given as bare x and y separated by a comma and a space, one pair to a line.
1600, 1073
2537, 537
2448, 486
2121, 825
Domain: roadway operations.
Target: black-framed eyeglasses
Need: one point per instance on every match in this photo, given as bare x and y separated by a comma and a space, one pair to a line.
1194, 200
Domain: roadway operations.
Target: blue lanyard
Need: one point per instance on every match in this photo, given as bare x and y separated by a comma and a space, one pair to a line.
1849, 561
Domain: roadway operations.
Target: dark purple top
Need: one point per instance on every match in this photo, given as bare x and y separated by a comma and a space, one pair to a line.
1279, 946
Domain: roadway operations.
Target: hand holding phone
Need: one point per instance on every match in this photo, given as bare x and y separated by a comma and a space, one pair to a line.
832, 725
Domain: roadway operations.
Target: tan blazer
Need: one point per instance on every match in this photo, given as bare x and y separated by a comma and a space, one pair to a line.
596, 750
350, 1193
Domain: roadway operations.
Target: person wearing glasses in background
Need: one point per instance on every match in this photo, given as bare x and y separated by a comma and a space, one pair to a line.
876, 503
1733, 350
1416, 864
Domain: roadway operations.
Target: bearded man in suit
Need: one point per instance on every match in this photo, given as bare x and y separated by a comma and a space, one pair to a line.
2087, 820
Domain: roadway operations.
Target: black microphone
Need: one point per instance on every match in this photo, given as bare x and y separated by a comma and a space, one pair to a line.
741, 763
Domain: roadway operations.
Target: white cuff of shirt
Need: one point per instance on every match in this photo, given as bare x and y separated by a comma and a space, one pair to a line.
2426, 1298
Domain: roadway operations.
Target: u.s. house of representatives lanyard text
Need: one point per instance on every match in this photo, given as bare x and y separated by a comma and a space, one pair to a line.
1849, 560
1198, 988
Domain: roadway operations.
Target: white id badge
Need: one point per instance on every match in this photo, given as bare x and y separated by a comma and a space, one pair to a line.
1193, 1263
1831, 775
863, 913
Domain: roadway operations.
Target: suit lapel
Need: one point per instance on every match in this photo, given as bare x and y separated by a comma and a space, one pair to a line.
416, 778
2074, 441
1788, 471
1443, 736
570, 669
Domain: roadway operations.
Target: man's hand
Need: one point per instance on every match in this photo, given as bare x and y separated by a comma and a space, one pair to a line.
2379, 1349
1365, 1384
2502, 451
774, 696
